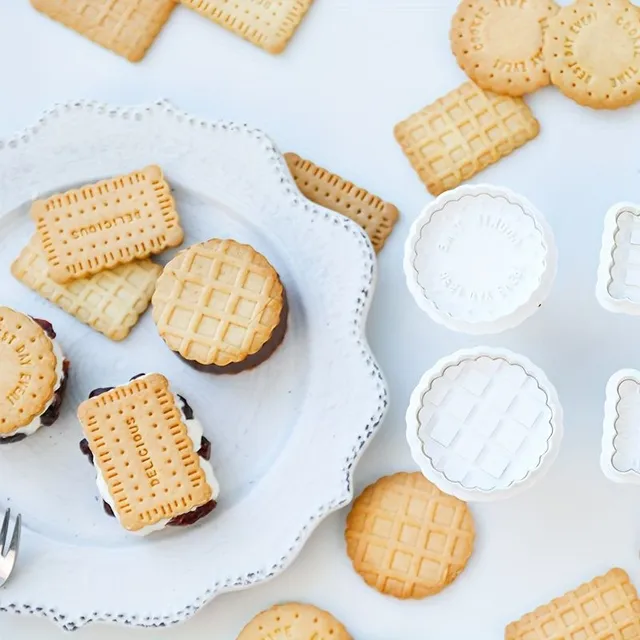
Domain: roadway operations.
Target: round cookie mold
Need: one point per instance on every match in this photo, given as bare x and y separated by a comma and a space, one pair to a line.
480, 259
484, 424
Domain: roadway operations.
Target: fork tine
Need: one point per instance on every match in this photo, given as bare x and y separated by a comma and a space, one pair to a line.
11, 555
4, 531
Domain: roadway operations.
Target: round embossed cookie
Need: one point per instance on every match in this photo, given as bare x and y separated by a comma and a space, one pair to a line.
498, 43
27, 371
408, 539
592, 50
294, 622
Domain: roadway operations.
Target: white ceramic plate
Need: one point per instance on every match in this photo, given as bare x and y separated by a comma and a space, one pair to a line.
286, 436
618, 287
480, 259
620, 460
484, 424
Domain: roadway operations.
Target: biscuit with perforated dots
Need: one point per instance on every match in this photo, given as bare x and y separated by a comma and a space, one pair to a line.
294, 621
102, 225
408, 539
498, 44
142, 448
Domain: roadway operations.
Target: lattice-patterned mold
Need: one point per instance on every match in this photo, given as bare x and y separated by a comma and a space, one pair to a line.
618, 287
484, 423
480, 259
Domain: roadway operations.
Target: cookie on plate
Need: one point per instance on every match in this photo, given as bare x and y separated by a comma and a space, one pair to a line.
221, 306
110, 302
408, 539
592, 50
607, 608
102, 225
499, 44
295, 621
33, 374
150, 455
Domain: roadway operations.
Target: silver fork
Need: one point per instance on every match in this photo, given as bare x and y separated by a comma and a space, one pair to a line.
8, 552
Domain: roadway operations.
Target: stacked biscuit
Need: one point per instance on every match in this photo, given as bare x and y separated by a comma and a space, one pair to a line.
129, 27
508, 48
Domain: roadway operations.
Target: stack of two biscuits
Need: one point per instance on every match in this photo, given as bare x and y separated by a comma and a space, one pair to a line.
509, 48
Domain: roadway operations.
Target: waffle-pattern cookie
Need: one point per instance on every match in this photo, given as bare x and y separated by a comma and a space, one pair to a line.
219, 302
126, 27
607, 608
294, 621
592, 48
142, 447
27, 370
269, 25
100, 226
110, 302
374, 215
499, 44
406, 538
462, 133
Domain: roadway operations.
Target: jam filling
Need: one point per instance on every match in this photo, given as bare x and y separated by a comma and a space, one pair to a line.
53, 412
204, 452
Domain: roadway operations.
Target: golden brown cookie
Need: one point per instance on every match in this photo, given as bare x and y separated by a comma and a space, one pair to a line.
102, 225
592, 50
269, 24
607, 608
142, 450
462, 133
110, 302
406, 538
127, 27
28, 365
498, 43
221, 304
329, 190
294, 621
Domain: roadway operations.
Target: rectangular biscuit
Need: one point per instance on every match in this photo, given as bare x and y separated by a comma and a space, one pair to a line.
110, 302
269, 24
126, 27
100, 226
143, 449
374, 215
606, 608
462, 133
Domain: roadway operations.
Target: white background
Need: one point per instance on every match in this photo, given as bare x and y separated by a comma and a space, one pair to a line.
354, 69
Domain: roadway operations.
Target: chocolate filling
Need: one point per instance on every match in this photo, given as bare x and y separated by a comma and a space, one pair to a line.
53, 412
254, 359
204, 452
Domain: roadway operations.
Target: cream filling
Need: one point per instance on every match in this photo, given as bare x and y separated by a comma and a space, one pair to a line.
195, 432
36, 423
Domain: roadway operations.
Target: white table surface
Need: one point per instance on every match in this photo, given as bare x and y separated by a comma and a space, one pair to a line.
353, 70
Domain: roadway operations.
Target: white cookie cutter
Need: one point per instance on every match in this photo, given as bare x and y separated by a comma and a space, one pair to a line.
484, 424
618, 286
480, 259
620, 459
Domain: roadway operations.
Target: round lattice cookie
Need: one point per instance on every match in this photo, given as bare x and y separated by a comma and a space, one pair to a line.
295, 621
27, 371
592, 48
220, 303
499, 44
406, 538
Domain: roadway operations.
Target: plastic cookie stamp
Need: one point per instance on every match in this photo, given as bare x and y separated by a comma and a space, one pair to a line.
480, 259
618, 287
620, 460
484, 424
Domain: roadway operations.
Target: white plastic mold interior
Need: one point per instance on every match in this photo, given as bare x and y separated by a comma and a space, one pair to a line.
620, 460
618, 287
480, 259
484, 423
